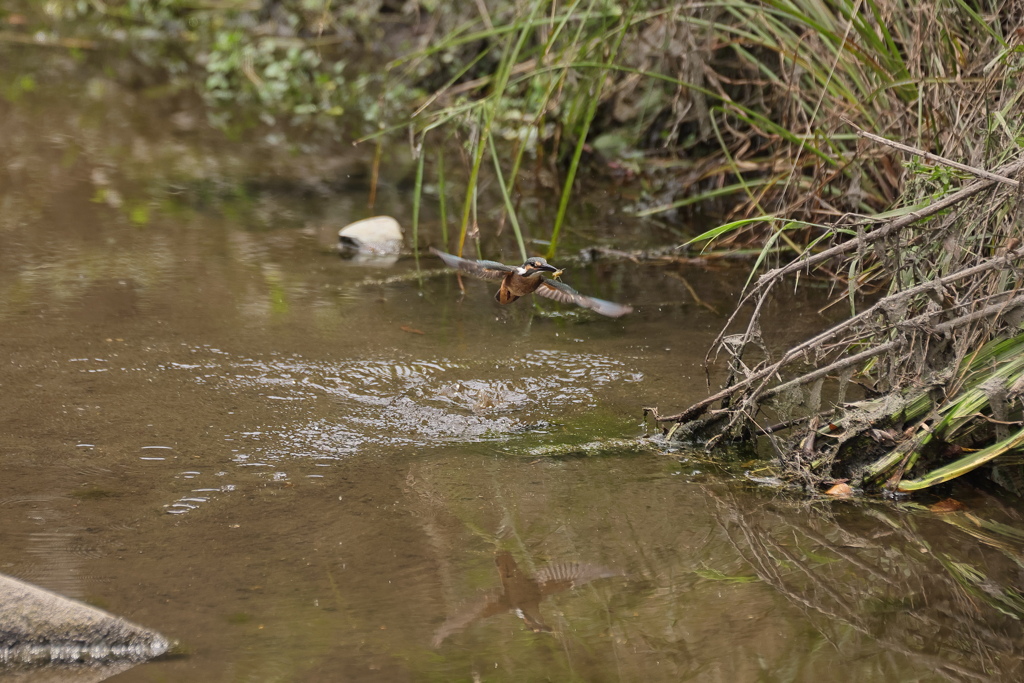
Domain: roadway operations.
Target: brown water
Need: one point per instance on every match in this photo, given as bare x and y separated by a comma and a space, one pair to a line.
306, 469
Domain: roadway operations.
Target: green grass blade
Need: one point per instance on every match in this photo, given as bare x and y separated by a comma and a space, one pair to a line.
588, 119
417, 196
714, 233
965, 464
491, 107
442, 192
508, 201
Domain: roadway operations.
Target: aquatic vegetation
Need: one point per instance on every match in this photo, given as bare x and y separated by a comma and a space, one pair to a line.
936, 357
252, 63
735, 105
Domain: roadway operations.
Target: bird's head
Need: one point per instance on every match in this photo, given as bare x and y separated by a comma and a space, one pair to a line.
536, 265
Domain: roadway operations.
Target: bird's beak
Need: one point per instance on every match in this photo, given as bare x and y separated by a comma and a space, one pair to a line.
547, 267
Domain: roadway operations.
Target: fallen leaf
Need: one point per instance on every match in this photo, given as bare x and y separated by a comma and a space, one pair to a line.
841, 490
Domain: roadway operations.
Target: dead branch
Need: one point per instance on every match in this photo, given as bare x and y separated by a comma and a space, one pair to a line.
980, 172
940, 329
798, 351
764, 283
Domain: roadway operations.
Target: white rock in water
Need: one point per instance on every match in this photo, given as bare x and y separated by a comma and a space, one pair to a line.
377, 236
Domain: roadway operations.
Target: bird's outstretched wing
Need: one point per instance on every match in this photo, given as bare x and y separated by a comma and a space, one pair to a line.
488, 270
559, 291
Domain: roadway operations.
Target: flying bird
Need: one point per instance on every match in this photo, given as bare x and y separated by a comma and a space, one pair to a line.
517, 281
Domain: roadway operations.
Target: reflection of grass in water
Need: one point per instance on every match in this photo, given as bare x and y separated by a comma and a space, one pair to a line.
278, 300
881, 582
891, 604
716, 575
1001, 598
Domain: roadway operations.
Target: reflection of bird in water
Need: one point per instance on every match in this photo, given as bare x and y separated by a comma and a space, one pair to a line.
517, 281
523, 594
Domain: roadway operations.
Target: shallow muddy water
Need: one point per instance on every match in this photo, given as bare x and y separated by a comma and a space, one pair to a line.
308, 469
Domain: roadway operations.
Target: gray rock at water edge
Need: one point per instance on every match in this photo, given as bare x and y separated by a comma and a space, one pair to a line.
55, 638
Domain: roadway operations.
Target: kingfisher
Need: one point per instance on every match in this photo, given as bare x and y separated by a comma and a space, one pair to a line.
517, 281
